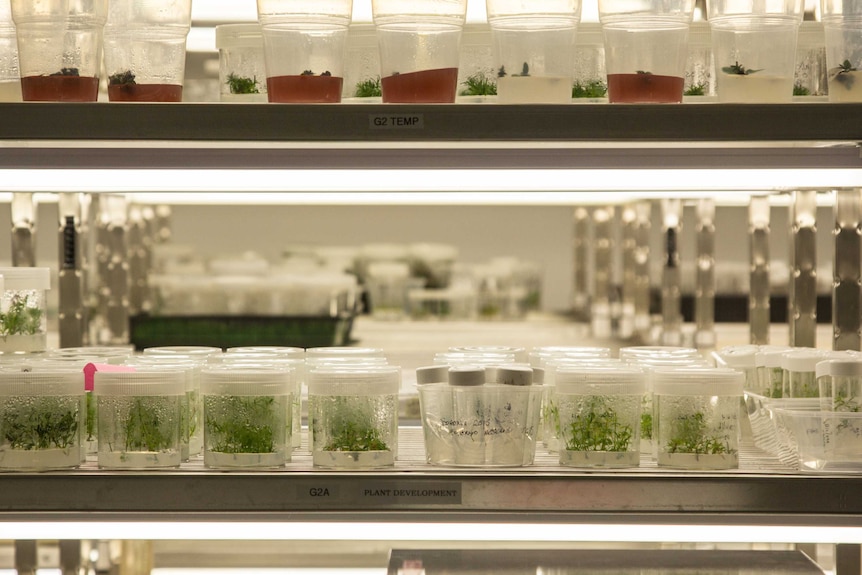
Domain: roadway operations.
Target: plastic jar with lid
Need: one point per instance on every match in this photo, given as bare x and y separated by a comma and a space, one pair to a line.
740, 358
513, 405
40, 419
799, 367
140, 418
697, 417
839, 384
242, 64
599, 410
246, 412
24, 309
770, 374
353, 413
435, 408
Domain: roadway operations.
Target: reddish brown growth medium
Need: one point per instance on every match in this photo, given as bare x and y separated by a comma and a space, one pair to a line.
633, 88
428, 86
145, 93
60, 88
305, 89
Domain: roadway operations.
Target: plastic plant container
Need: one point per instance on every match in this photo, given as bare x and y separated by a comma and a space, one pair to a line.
23, 309
387, 284
435, 405
512, 426
821, 441
198, 351
754, 47
60, 48
10, 79
305, 45
599, 413
799, 366
646, 45
452, 304
40, 418
419, 44
353, 416
534, 49
145, 49
246, 411
242, 64
433, 263
770, 374
697, 417
469, 415
839, 383
140, 418
761, 417
343, 352
742, 359
842, 22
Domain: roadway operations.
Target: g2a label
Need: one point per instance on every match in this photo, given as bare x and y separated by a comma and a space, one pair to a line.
396, 121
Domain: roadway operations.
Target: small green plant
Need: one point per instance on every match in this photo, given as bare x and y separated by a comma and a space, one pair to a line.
776, 383
646, 425
243, 424
145, 428
48, 423
368, 88
121, 78
21, 318
597, 427
350, 427
738, 69
479, 84
242, 84
841, 74
525, 71
846, 404
688, 435
591, 89
695, 90
800, 90
91, 417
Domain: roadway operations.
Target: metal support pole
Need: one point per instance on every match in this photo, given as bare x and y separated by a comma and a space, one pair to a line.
23, 229
643, 213
114, 269
848, 559
629, 259
26, 557
847, 280
603, 222
704, 311
802, 299
70, 277
671, 280
580, 244
71, 558
758, 298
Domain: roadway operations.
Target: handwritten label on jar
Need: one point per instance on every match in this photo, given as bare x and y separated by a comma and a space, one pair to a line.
396, 121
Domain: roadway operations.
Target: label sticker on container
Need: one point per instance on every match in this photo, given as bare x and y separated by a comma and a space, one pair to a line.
396, 121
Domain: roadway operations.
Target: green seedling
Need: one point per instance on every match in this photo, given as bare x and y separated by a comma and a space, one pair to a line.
244, 424
479, 84
242, 85
800, 90
597, 427
350, 428
841, 74
591, 89
689, 435
48, 423
738, 69
145, 428
369, 88
21, 318
695, 90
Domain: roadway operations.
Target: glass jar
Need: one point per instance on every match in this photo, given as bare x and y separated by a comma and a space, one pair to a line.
246, 411
40, 419
353, 416
140, 418
599, 410
24, 310
242, 65
697, 417
842, 21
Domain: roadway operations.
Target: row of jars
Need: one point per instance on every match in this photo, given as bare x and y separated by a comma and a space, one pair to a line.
304, 45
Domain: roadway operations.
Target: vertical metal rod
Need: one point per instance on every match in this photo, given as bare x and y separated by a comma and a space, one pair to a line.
643, 213
26, 557
23, 229
162, 222
114, 269
137, 256
847, 280
803, 275
671, 280
602, 250
70, 280
704, 311
581, 295
848, 559
629, 248
71, 558
758, 298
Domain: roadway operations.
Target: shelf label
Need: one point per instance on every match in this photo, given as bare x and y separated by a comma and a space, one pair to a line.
396, 121
320, 493
382, 493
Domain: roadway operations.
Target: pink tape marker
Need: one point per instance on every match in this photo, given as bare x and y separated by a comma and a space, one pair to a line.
91, 368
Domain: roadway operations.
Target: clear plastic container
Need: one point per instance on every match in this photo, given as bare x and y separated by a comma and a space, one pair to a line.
140, 418
534, 49
246, 413
754, 47
740, 358
387, 284
145, 49
353, 416
646, 46
799, 366
839, 384
10, 79
770, 374
40, 418
433, 263
842, 22
305, 45
60, 48
242, 64
343, 352
199, 351
599, 412
419, 48
453, 304
697, 417
24, 309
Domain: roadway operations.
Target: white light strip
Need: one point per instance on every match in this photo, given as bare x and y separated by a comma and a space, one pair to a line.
398, 532
474, 186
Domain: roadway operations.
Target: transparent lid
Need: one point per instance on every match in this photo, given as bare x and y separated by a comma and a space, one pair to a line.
246, 381
622, 380
738, 356
297, 352
94, 351
848, 367
71, 363
336, 351
697, 381
15, 279
802, 360
194, 350
432, 374
371, 380
41, 383
166, 382
656, 352
770, 357
462, 358
247, 35
466, 375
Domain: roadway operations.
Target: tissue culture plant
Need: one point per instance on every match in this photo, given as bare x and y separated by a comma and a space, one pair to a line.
23, 316
40, 423
349, 426
589, 89
737, 69
479, 84
597, 427
242, 84
689, 435
147, 427
243, 424
695, 90
368, 88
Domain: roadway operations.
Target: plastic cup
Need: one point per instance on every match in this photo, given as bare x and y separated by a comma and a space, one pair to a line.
60, 48
145, 49
842, 22
242, 66
754, 47
305, 44
534, 49
646, 45
419, 44
10, 79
